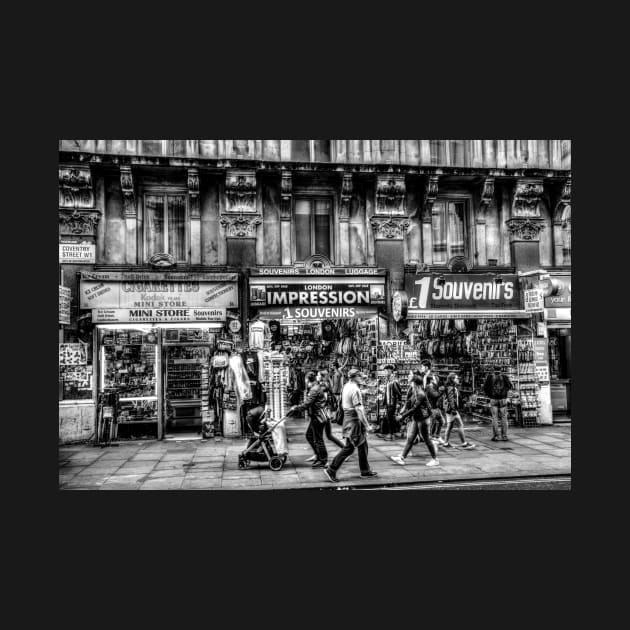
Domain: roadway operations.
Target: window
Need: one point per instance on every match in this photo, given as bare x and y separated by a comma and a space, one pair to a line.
310, 150
312, 222
165, 226
447, 223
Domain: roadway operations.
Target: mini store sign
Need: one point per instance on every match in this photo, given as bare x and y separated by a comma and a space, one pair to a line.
139, 315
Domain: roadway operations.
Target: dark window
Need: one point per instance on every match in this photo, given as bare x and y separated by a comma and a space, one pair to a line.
322, 150
312, 222
300, 150
447, 222
165, 226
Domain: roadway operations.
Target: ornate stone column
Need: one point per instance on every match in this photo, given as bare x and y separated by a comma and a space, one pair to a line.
430, 195
487, 198
77, 213
195, 216
343, 245
131, 215
562, 226
286, 202
240, 217
525, 224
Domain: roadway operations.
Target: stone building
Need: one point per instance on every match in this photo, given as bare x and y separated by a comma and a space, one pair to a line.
225, 207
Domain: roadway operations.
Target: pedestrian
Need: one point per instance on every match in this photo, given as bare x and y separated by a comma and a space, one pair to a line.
453, 417
497, 387
435, 395
315, 405
393, 395
325, 381
425, 371
337, 380
355, 428
418, 409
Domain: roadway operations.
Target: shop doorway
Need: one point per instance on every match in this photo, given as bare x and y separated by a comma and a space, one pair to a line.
560, 372
186, 356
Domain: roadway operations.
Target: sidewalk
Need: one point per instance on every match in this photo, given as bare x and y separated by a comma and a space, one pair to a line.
212, 464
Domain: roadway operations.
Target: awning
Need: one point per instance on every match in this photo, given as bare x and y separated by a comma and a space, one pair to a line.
489, 314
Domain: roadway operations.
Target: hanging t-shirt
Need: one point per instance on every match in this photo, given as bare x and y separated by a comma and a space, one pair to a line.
257, 332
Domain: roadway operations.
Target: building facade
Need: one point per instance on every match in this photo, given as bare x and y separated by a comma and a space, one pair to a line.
150, 229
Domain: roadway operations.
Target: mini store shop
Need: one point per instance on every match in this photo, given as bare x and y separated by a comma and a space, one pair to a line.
558, 320
315, 318
155, 338
467, 324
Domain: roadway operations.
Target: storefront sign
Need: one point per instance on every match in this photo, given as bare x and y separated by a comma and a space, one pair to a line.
318, 313
541, 360
234, 325
317, 271
65, 295
75, 252
400, 305
157, 276
72, 354
534, 300
461, 291
317, 294
158, 294
559, 288
138, 315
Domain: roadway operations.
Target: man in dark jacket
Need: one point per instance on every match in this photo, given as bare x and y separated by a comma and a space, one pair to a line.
435, 395
393, 394
315, 404
496, 388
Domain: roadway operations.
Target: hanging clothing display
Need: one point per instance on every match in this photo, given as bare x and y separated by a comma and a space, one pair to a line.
257, 332
241, 380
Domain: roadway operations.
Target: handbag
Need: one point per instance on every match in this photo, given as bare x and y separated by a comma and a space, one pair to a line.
338, 419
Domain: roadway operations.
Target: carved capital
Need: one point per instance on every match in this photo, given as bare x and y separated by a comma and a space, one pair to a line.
240, 191
524, 228
75, 222
193, 193
487, 194
390, 194
128, 192
286, 193
240, 226
346, 197
75, 187
562, 213
526, 198
430, 194
390, 229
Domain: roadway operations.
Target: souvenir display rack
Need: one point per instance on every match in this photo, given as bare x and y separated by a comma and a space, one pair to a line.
276, 380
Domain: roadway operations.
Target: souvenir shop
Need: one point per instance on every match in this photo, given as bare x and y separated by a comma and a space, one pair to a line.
313, 319
166, 362
467, 324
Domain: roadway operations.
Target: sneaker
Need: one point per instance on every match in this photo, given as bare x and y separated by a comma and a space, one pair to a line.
312, 458
504, 439
495, 439
318, 464
380, 435
468, 446
447, 445
398, 460
433, 462
369, 473
330, 474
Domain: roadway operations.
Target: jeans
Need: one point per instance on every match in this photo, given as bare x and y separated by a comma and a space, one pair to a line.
315, 437
389, 421
423, 426
330, 436
437, 422
346, 451
498, 408
454, 419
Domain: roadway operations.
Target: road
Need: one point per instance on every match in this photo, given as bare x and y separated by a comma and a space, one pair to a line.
541, 483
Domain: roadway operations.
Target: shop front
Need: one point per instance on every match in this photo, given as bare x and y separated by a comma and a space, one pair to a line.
314, 318
467, 324
155, 335
558, 320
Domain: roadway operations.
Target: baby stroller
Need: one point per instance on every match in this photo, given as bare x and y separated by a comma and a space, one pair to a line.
263, 449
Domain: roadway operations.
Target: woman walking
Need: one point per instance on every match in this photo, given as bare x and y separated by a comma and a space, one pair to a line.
452, 412
418, 409
435, 395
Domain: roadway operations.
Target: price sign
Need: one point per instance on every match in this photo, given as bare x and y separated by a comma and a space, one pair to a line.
534, 300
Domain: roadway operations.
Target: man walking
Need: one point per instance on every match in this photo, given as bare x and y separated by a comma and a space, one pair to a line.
496, 387
315, 403
393, 394
354, 430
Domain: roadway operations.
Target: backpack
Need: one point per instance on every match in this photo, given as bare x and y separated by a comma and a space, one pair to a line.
498, 387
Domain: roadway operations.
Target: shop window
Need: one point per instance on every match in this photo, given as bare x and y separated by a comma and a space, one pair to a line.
458, 154
157, 147
447, 224
75, 371
313, 225
165, 226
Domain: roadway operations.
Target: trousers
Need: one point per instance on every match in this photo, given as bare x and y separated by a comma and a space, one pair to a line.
498, 409
315, 437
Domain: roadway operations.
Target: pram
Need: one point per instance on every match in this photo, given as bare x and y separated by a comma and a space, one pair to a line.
263, 448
